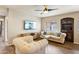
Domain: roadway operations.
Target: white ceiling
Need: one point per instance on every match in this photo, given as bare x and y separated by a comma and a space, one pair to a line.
61, 9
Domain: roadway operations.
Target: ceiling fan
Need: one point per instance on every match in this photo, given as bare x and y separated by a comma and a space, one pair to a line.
46, 9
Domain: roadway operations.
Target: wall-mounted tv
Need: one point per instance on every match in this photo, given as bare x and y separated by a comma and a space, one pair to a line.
29, 25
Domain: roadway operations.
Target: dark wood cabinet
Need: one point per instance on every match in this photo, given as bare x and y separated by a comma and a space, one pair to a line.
67, 26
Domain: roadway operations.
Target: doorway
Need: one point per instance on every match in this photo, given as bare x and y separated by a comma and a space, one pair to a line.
2, 28
67, 26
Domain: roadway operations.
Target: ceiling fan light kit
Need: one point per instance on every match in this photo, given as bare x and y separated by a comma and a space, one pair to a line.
46, 10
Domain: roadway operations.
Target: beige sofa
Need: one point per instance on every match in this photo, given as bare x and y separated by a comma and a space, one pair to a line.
35, 35
26, 45
60, 39
57, 37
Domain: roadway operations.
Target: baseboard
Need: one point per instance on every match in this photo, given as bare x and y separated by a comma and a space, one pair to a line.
76, 43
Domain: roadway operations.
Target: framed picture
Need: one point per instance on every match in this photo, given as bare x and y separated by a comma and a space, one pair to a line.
29, 25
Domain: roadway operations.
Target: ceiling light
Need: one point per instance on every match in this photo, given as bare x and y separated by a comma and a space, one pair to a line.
45, 11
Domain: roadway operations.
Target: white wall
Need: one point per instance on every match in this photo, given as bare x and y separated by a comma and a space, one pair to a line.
3, 11
57, 18
16, 22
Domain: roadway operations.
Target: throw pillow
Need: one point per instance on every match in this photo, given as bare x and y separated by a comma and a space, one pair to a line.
58, 34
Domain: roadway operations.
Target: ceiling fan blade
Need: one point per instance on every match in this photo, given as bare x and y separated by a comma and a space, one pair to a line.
38, 10
41, 13
45, 6
52, 9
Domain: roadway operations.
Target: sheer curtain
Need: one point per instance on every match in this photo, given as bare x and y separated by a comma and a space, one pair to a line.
51, 27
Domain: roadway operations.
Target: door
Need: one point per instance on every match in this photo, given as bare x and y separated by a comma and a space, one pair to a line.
2, 28
67, 26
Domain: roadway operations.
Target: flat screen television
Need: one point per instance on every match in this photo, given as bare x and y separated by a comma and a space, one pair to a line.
29, 25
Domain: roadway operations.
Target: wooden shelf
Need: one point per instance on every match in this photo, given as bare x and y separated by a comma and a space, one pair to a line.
67, 26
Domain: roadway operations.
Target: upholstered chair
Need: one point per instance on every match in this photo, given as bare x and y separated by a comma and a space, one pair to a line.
26, 45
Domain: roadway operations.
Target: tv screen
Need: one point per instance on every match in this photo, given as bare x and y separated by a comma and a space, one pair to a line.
29, 25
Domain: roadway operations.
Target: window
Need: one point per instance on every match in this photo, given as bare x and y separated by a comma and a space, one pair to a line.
52, 26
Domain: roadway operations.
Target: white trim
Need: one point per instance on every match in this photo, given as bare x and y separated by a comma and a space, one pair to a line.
6, 29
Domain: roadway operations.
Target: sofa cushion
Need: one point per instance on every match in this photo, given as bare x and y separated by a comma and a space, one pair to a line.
54, 34
27, 39
54, 37
58, 34
32, 34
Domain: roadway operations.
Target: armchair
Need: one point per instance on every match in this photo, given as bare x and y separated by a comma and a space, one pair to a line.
26, 45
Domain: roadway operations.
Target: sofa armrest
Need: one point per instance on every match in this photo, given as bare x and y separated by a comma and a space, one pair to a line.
63, 35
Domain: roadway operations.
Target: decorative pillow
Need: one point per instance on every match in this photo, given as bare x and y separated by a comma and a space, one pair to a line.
58, 34
44, 33
21, 35
50, 33
32, 34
